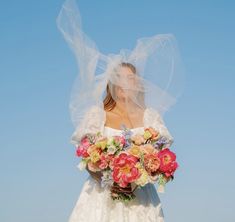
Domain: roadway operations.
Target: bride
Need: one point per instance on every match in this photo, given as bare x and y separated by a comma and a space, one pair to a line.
131, 89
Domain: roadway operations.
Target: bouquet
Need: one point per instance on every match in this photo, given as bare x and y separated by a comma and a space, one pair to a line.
128, 161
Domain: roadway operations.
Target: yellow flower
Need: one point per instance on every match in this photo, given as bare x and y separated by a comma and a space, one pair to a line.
147, 148
138, 139
147, 134
143, 179
95, 156
135, 151
101, 143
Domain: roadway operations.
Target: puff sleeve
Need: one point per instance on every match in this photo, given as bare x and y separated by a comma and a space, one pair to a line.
154, 119
92, 122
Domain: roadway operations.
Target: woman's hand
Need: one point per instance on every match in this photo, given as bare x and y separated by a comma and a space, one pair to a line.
95, 175
117, 189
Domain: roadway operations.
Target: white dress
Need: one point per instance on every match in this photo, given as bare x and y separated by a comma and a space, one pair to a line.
95, 203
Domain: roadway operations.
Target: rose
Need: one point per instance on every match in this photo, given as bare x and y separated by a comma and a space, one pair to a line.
124, 169
168, 162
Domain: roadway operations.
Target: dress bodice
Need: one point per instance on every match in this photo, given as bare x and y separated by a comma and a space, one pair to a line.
95, 118
109, 131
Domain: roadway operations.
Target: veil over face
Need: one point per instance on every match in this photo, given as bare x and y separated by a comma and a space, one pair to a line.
150, 75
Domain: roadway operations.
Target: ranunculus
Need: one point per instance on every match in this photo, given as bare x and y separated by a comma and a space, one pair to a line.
124, 169
168, 162
138, 139
101, 143
151, 163
148, 148
93, 148
135, 151
95, 156
151, 133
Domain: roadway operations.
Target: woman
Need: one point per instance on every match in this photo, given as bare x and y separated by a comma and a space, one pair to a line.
94, 202
135, 96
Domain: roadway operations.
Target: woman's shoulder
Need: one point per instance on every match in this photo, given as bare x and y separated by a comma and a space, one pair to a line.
151, 113
92, 122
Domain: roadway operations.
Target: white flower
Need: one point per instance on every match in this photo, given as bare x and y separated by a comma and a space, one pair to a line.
111, 149
82, 165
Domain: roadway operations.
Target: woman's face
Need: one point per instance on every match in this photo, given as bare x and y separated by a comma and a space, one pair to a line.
126, 81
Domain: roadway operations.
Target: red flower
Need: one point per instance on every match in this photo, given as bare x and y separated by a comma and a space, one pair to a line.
124, 169
168, 164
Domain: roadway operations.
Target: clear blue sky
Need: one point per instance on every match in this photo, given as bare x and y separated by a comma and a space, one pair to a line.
39, 178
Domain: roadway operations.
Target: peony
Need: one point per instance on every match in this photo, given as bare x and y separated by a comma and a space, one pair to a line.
151, 163
124, 169
168, 164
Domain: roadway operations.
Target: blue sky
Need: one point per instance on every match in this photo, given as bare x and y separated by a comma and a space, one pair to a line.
39, 178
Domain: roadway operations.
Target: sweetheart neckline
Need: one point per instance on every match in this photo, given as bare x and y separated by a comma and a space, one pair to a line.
131, 128
107, 127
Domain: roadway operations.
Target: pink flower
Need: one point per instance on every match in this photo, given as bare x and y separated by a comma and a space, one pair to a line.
82, 152
125, 170
119, 140
168, 164
93, 166
106, 161
85, 141
82, 148
151, 163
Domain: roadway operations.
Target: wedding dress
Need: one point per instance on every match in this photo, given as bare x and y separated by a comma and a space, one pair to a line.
95, 203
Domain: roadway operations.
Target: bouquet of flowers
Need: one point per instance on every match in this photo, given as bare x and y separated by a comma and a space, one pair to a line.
128, 161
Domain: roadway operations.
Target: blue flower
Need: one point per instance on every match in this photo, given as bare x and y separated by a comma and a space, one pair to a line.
161, 142
106, 179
